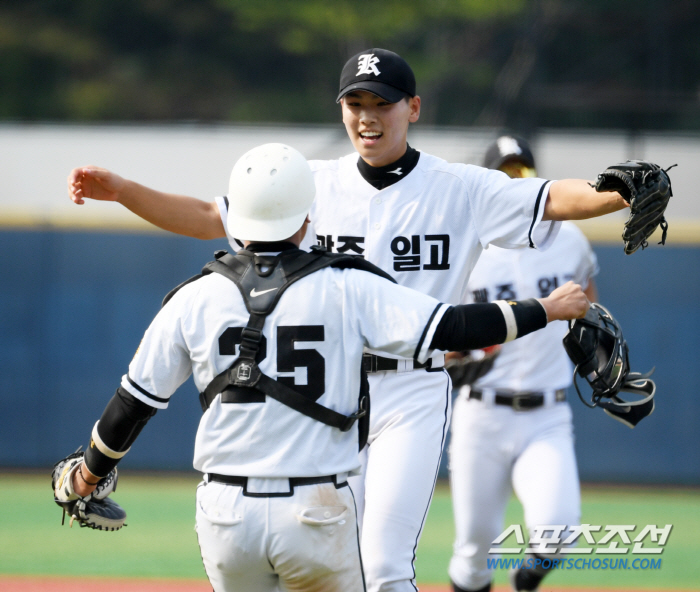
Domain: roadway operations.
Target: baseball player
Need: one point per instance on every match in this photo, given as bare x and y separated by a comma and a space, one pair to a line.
512, 428
274, 511
423, 221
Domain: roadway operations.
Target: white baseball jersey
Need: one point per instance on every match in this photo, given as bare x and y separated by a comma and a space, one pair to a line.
537, 361
428, 229
316, 335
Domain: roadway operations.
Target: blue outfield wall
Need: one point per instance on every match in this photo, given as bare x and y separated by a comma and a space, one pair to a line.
74, 305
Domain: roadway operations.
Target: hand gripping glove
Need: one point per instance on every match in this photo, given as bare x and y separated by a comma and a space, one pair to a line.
647, 188
95, 510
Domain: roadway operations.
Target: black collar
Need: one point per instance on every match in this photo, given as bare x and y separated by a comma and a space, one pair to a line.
275, 247
382, 177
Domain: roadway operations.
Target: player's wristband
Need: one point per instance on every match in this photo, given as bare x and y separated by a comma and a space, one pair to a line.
100, 459
509, 318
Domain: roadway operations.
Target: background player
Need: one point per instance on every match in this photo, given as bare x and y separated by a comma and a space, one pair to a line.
425, 222
274, 510
512, 430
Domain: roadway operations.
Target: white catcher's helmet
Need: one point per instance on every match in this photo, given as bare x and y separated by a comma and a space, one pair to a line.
270, 193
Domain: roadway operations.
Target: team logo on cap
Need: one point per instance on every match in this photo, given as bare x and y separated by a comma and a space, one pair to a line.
508, 145
367, 64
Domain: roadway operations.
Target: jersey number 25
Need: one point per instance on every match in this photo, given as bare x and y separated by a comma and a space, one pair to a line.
289, 359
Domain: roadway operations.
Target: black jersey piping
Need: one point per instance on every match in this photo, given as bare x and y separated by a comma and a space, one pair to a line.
437, 470
145, 392
534, 217
359, 550
425, 332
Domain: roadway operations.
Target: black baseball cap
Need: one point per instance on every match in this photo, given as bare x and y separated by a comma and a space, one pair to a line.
507, 148
379, 71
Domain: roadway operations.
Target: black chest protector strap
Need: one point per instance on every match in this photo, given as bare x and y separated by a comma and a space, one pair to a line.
262, 280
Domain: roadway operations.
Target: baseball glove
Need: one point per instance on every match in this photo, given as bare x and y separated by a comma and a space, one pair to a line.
647, 188
96, 510
471, 365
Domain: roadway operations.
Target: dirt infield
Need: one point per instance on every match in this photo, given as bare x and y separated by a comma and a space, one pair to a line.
67, 584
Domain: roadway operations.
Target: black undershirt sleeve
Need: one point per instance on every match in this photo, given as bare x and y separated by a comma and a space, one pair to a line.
474, 326
121, 422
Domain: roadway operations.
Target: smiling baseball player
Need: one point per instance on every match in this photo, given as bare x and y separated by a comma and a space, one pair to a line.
274, 511
420, 219
512, 429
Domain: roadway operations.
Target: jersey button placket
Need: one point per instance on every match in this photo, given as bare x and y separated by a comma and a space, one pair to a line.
375, 214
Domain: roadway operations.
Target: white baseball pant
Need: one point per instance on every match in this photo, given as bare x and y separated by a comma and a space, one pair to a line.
409, 418
495, 450
307, 542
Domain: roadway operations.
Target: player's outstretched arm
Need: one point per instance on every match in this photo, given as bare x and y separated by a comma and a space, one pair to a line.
475, 326
175, 213
575, 199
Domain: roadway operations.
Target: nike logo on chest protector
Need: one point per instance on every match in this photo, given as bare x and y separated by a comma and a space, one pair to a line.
254, 292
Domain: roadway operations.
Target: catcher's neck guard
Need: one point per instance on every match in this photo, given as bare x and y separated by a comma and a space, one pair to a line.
596, 346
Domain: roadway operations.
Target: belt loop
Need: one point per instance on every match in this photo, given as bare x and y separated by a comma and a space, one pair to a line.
488, 396
404, 366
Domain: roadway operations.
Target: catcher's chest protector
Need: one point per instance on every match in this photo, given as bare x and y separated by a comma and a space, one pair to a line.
262, 279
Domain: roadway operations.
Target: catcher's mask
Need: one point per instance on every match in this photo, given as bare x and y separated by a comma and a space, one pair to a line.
596, 346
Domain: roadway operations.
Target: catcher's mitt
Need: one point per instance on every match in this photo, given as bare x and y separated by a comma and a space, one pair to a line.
96, 510
471, 365
596, 345
647, 188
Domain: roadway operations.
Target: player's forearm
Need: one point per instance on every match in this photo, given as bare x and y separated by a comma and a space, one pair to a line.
575, 199
475, 326
175, 213
120, 424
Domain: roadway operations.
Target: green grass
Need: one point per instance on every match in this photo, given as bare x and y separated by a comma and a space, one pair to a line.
680, 568
160, 542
